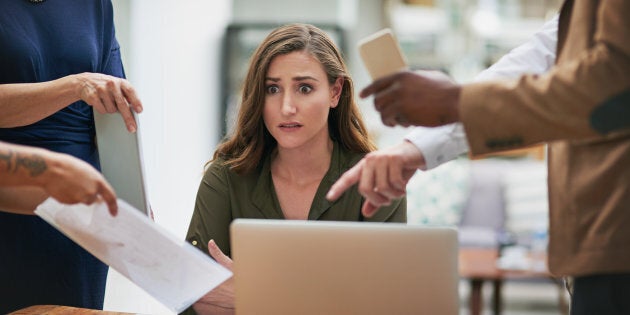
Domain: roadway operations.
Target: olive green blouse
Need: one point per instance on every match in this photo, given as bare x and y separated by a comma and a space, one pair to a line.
225, 195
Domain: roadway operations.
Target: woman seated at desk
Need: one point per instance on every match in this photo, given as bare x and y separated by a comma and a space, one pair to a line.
298, 129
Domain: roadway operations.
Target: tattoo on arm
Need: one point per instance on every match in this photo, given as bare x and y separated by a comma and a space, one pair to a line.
34, 163
7, 157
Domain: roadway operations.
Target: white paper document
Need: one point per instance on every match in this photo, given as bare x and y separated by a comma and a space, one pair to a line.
171, 270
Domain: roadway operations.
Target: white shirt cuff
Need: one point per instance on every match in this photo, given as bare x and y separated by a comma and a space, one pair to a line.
440, 144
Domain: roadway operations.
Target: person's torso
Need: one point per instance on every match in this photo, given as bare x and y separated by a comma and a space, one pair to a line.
589, 180
49, 40
255, 195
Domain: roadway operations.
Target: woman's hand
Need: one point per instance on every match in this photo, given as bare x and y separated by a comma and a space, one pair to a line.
70, 180
381, 175
28, 175
109, 94
221, 299
22, 104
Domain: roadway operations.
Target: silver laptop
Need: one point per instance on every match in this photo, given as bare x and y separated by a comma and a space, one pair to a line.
324, 267
120, 154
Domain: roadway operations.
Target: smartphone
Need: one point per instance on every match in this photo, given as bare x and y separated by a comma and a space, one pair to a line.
381, 54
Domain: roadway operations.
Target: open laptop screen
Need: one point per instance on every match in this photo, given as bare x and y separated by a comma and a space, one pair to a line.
323, 267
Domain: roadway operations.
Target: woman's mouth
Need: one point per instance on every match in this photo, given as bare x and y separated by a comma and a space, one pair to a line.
290, 125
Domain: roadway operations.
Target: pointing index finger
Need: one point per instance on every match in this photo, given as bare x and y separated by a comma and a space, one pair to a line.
348, 179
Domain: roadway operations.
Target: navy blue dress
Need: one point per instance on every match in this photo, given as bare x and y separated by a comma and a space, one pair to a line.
43, 42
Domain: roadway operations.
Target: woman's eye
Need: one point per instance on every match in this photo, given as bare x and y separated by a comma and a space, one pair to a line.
305, 89
272, 89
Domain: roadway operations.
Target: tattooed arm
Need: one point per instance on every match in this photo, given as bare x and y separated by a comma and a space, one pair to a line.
29, 175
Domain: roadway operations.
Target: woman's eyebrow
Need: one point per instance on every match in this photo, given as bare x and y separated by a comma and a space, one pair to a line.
306, 77
298, 78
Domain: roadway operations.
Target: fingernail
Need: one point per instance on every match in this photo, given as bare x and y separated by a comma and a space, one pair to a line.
131, 128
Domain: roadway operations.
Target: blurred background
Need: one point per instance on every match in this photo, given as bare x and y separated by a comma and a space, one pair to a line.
187, 59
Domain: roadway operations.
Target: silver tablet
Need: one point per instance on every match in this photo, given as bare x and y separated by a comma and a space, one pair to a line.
120, 155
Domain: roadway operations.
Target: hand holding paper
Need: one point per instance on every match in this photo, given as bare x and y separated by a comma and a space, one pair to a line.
169, 269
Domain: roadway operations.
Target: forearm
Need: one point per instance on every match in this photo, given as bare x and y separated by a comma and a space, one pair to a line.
556, 106
591, 77
442, 144
37, 173
39, 99
25, 166
21, 200
537, 55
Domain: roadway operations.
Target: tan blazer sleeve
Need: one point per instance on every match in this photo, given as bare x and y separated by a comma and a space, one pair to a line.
577, 99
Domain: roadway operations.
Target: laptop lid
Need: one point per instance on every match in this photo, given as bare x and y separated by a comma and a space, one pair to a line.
324, 267
120, 154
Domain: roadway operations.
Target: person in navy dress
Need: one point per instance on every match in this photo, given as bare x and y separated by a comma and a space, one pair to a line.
59, 61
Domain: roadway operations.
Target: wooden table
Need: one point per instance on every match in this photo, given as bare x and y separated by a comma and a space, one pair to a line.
479, 265
62, 310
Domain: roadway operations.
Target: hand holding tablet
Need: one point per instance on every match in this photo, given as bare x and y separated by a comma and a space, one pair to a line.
381, 54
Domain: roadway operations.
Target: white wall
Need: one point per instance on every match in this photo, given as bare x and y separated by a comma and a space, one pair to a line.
171, 51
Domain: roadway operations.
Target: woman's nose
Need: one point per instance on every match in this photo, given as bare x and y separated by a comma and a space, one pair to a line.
288, 108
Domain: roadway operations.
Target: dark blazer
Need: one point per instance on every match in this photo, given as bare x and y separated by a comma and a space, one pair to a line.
582, 108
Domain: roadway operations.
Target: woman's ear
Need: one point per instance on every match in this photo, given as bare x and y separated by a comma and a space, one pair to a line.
335, 92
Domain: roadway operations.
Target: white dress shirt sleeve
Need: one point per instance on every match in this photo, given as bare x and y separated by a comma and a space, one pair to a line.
442, 144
